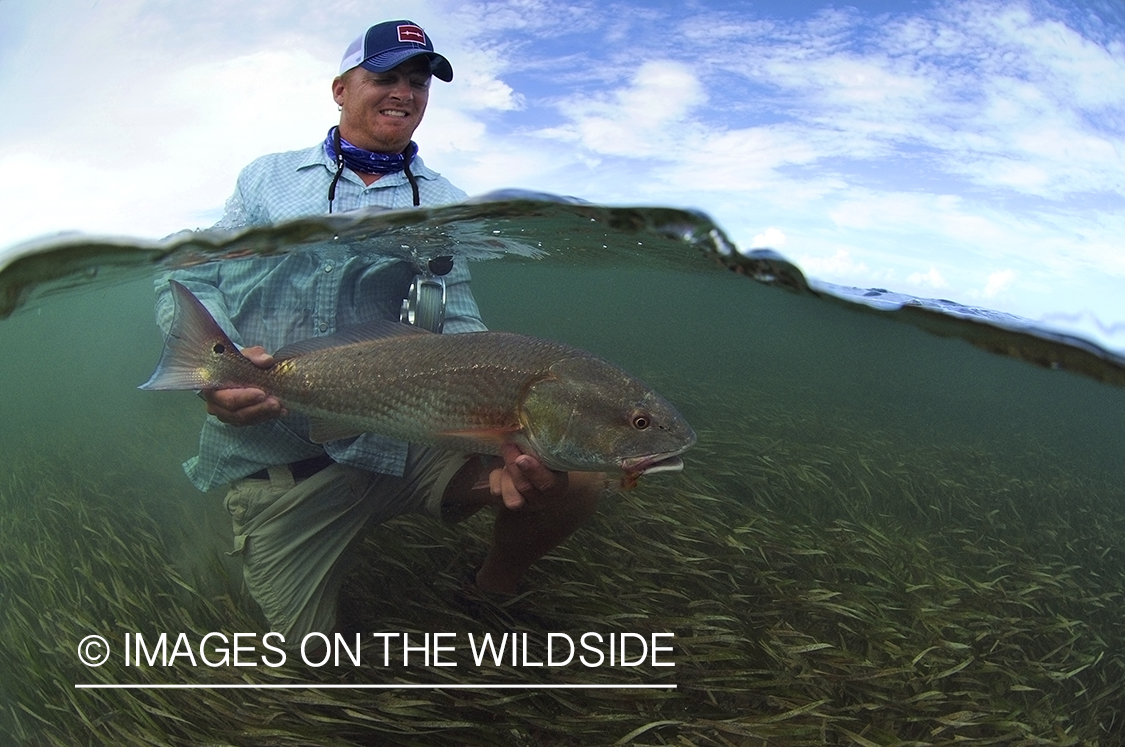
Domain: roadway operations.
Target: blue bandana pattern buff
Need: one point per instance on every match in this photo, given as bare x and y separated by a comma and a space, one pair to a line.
364, 161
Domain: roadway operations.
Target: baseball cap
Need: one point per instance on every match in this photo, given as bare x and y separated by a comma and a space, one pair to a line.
389, 44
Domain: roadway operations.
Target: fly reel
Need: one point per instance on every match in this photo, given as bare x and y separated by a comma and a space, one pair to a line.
424, 305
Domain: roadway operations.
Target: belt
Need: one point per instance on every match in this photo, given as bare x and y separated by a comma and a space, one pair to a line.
300, 470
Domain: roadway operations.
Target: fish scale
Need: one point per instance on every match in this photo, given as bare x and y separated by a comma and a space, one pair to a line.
444, 389
474, 391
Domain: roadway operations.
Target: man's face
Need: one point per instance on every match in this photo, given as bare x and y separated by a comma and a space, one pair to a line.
382, 110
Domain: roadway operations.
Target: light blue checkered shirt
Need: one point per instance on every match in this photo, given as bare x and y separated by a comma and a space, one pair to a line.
275, 301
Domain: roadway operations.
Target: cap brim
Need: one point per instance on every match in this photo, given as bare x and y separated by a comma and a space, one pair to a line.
385, 61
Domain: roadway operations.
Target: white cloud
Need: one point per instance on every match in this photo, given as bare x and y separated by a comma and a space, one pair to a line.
931, 279
771, 238
160, 162
998, 282
646, 118
476, 84
992, 93
840, 266
25, 177
750, 160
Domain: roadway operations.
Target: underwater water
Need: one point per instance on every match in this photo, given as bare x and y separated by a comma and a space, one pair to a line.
883, 535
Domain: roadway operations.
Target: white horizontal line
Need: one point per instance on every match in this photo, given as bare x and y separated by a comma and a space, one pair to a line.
313, 686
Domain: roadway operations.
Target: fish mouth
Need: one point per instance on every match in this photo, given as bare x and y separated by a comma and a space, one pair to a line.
668, 464
647, 465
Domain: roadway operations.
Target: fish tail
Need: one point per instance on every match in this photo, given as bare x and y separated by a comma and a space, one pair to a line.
197, 353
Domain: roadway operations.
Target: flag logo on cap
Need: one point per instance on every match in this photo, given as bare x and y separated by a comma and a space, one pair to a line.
410, 34
386, 45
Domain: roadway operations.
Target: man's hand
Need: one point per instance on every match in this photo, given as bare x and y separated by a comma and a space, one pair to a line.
523, 481
245, 405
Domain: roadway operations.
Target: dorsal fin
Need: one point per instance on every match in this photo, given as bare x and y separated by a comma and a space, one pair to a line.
379, 329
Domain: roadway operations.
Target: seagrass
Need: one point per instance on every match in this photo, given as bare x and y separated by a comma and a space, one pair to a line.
825, 586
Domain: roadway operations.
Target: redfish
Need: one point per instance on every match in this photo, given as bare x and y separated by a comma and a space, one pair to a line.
469, 392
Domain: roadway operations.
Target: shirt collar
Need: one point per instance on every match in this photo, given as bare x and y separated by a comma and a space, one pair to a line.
315, 156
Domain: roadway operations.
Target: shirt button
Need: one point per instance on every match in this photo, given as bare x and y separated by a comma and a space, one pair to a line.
323, 327
328, 267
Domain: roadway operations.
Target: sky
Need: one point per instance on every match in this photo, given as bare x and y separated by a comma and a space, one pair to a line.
972, 151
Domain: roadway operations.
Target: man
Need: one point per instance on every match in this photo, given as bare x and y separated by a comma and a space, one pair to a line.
299, 508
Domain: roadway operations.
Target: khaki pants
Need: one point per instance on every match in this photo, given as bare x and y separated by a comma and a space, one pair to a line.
296, 537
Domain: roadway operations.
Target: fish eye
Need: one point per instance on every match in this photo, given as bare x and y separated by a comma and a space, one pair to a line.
641, 421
